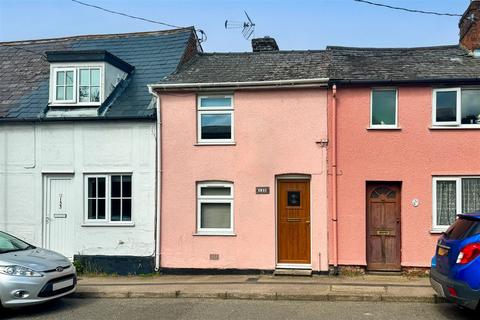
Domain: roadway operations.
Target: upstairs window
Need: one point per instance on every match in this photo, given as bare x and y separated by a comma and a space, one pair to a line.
77, 85
215, 119
456, 107
384, 108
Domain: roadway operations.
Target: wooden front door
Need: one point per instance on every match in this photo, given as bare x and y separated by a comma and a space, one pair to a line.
383, 227
293, 231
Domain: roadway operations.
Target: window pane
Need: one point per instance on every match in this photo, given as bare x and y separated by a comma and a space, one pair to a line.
293, 198
216, 126
126, 210
115, 203
69, 78
126, 186
84, 93
446, 106
383, 107
101, 209
60, 93
101, 187
69, 93
446, 202
215, 191
215, 102
92, 187
94, 94
215, 215
60, 78
470, 195
95, 77
92, 209
471, 107
84, 77
116, 186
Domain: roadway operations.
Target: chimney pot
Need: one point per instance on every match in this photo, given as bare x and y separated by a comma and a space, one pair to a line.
264, 44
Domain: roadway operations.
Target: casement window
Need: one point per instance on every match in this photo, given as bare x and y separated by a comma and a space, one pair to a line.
215, 119
108, 198
452, 196
215, 208
456, 107
383, 111
81, 86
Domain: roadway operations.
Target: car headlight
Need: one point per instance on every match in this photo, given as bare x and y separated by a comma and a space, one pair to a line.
19, 271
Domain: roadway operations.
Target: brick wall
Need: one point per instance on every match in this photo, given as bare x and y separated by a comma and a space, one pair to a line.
470, 28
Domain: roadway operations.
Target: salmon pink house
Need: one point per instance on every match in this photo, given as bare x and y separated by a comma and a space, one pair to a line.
404, 132
243, 161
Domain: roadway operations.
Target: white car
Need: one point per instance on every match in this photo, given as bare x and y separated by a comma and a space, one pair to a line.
31, 275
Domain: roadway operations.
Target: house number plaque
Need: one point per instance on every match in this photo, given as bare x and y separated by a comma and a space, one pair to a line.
262, 190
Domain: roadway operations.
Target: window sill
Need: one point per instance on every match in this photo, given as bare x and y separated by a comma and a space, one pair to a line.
108, 224
473, 127
438, 230
215, 144
214, 234
384, 128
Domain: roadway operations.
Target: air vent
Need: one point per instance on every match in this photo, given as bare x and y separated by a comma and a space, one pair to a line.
214, 256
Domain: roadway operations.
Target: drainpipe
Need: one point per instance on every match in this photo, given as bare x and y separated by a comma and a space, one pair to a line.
334, 179
158, 176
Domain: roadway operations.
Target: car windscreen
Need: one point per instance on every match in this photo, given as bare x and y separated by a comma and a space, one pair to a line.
463, 228
9, 243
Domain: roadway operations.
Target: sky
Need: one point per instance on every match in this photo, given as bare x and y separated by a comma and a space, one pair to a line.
296, 25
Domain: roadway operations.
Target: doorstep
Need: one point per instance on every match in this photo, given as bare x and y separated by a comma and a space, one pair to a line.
293, 272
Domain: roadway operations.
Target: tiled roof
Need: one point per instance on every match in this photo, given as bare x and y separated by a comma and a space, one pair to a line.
252, 66
24, 76
402, 64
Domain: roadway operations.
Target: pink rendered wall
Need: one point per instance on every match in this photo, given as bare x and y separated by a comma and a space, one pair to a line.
411, 155
276, 133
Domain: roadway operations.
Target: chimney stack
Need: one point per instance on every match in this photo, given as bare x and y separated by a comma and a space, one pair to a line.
470, 27
264, 44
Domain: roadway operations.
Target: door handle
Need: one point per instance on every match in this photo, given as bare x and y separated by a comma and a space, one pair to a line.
48, 219
308, 221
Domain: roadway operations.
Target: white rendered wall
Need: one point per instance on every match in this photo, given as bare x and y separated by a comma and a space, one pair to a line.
28, 152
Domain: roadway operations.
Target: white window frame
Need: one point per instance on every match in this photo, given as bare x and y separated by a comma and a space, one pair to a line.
458, 120
458, 188
215, 110
100, 97
108, 198
215, 199
54, 89
76, 84
384, 126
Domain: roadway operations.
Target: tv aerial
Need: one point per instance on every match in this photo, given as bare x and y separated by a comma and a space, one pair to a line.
248, 27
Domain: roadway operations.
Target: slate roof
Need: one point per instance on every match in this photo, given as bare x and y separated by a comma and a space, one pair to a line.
24, 76
402, 64
252, 66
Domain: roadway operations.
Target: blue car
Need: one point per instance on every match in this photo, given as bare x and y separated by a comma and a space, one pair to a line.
455, 273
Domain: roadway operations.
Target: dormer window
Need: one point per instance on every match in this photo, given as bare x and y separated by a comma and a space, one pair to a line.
89, 85
83, 79
81, 85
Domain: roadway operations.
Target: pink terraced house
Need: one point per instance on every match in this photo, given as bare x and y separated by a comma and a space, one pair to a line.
403, 151
243, 162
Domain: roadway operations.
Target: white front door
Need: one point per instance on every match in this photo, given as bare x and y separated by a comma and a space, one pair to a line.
59, 220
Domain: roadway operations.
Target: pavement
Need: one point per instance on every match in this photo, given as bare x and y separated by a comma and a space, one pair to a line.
373, 288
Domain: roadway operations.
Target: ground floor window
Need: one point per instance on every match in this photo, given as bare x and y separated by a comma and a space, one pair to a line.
108, 198
452, 196
214, 207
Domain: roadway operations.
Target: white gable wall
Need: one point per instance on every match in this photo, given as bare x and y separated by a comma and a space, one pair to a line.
29, 152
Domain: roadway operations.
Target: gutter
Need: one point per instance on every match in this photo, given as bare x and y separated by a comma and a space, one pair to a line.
158, 180
271, 84
414, 81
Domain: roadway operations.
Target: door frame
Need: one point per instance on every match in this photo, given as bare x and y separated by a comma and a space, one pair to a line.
380, 183
46, 177
306, 178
